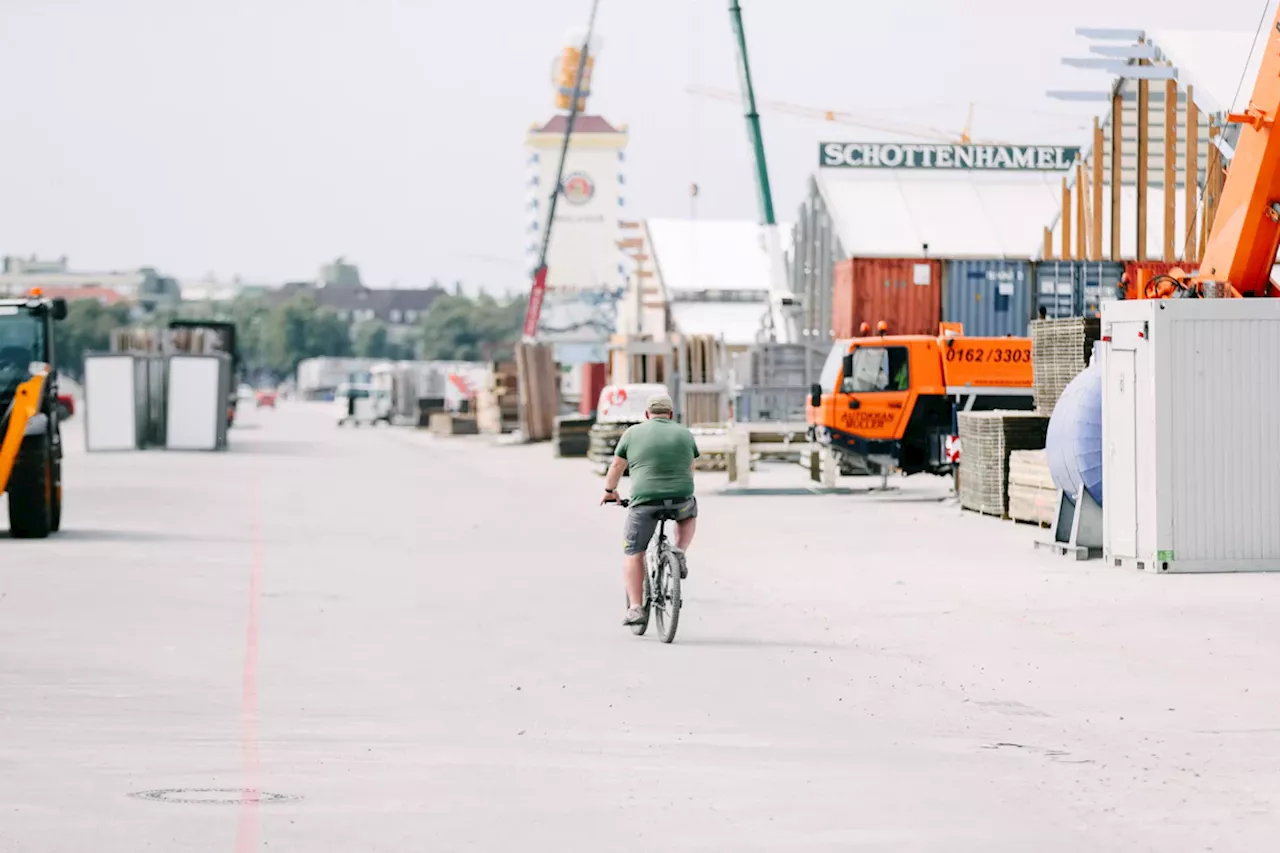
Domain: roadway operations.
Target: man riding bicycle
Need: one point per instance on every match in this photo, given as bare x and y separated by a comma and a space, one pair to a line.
660, 454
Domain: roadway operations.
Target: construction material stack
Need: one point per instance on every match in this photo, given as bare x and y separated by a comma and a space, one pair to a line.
702, 390
450, 423
539, 390
1033, 497
571, 437
1060, 350
498, 404
988, 439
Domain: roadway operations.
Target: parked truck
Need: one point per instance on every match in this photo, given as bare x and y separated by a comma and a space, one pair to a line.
30, 438
890, 402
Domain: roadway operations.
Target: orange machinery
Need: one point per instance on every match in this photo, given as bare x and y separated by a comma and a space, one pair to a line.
890, 402
1242, 243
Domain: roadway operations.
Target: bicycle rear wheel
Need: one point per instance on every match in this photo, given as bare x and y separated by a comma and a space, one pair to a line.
666, 597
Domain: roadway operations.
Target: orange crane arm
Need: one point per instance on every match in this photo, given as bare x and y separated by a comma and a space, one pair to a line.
1241, 247
26, 402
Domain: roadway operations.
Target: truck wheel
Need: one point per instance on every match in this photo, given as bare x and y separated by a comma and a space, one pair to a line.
55, 511
31, 490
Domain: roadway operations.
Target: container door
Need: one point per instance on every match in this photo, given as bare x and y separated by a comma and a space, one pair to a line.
1056, 289
1120, 459
877, 393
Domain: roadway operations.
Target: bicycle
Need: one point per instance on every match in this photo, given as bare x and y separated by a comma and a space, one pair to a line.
661, 581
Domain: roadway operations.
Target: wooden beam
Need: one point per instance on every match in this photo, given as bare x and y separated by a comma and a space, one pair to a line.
1065, 219
1144, 138
1048, 243
1117, 151
1082, 199
1193, 174
1095, 240
1212, 185
1170, 172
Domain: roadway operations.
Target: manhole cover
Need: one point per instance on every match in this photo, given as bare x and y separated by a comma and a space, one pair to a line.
212, 796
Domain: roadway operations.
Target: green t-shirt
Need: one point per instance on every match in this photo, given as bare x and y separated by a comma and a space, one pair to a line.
659, 454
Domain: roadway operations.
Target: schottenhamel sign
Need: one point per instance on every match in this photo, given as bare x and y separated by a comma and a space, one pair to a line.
909, 155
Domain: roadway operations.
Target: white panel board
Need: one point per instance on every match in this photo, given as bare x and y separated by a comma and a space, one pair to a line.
110, 409
195, 404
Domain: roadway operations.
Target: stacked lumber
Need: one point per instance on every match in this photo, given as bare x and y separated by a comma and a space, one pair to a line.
446, 423
702, 357
702, 408
572, 435
498, 404
539, 383
986, 440
1060, 351
1032, 495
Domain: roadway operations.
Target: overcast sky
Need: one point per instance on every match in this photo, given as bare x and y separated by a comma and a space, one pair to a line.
263, 137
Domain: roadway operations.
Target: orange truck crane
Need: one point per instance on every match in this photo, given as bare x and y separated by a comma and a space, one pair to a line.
30, 439
887, 402
1245, 236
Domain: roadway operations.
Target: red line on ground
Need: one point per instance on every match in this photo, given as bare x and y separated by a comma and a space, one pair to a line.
249, 830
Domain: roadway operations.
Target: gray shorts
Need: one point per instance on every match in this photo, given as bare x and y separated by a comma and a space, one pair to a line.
642, 522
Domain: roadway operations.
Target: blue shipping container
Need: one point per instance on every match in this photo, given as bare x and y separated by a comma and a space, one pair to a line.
991, 298
1076, 288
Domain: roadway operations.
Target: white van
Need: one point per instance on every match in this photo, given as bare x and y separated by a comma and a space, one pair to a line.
360, 403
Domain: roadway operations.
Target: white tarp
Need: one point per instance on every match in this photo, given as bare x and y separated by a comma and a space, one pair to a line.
703, 254
896, 213
1216, 63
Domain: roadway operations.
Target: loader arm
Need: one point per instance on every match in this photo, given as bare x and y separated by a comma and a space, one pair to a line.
26, 402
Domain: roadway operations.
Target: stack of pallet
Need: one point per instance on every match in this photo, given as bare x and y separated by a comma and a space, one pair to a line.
572, 435
703, 400
539, 382
1060, 351
1032, 496
986, 440
447, 423
498, 404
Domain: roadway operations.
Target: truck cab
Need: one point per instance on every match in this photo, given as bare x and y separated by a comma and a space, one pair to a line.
891, 401
30, 434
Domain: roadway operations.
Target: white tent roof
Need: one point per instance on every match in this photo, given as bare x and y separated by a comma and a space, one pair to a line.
694, 254
891, 213
737, 322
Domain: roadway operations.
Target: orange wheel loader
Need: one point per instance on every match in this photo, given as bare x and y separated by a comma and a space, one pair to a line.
30, 438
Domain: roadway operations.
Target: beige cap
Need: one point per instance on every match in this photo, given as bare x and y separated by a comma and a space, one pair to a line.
659, 404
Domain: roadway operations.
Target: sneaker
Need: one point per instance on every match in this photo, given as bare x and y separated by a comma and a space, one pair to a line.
635, 616
684, 563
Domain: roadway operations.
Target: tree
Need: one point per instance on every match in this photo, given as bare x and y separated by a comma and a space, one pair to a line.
298, 329
463, 329
87, 328
372, 340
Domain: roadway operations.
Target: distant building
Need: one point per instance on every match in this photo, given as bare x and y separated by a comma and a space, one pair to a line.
144, 287
340, 288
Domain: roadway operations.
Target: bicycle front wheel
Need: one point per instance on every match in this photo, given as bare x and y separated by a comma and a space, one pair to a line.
666, 604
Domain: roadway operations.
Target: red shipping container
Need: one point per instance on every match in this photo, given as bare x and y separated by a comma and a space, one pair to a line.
1153, 268
904, 293
594, 378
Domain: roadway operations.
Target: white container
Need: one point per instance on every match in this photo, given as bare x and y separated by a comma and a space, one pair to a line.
1190, 443
195, 402
111, 410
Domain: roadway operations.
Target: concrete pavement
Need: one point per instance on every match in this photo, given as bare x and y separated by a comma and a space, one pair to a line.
418, 641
